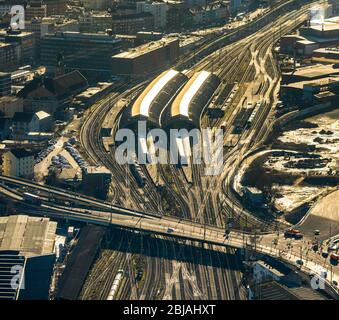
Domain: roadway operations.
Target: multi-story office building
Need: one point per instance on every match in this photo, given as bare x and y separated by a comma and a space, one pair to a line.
80, 51
42, 26
157, 9
35, 10
9, 56
25, 40
5, 84
131, 23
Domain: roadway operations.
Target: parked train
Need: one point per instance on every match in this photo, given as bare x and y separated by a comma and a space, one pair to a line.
32, 199
115, 285
137, 172
253, 114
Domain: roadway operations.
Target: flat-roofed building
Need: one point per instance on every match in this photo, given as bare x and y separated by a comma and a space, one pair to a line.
328, 30
43, 26
96, 181
9, 56
93, 51
25, 40
131, 23
56, 7
79, 262
306, 47
18, 163
326, 55
148, 58
288, 43
28, 244
311, 72
157, 9
311, 92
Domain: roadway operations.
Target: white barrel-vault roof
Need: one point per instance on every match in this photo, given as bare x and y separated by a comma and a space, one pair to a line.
142, 105
182, 102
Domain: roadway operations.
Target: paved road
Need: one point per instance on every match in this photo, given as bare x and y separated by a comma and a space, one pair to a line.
324, 216
284, 249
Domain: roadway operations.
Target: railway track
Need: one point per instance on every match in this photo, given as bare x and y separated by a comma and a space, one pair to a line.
91, 141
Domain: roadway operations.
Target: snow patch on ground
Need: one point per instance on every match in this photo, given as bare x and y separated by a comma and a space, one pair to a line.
292, 196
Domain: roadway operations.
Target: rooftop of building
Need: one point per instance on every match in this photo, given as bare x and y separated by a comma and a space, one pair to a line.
182, 102
143, 103
192, 100
7, 99
21, 153
57, 20
306, 42
144, 49
9, 259
254, 190
20, 34
5, 74
75, 35
326, 26
208, 7
79, 262
316, 82
4, 44
97, 170
327, 50
325, 94
273, 290
42, 115
293, 36
315, 70
61, 86
30, 236
92, 91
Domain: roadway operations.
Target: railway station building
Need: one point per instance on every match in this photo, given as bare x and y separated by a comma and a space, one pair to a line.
191, 102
